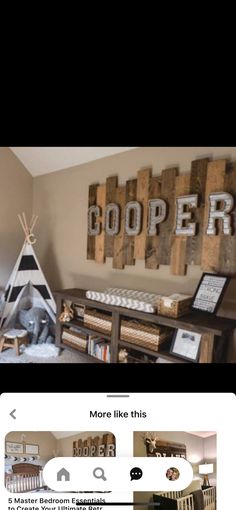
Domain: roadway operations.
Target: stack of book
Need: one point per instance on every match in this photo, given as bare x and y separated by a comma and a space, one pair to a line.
99, 348
74, 337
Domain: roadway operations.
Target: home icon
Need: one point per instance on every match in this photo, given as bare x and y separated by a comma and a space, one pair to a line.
63, 475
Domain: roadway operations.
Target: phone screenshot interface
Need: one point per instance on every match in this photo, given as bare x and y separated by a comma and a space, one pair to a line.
97, 451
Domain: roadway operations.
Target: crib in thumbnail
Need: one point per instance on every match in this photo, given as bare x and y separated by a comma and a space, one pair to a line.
24, 478
189, 502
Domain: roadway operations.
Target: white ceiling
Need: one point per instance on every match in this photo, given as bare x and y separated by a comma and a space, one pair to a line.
203, 434
60, 435
44, 160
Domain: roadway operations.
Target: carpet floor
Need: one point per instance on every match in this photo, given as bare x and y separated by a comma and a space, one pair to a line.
9, 356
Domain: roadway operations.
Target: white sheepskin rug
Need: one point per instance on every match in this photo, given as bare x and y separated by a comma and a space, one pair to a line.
42, 351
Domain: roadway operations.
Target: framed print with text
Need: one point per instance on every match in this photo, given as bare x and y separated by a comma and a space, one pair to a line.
32, 448
14, 447
209, 293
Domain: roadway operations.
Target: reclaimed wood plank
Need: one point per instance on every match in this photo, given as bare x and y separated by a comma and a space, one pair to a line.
179, 243
166, 228
227, 260
119, 252
198, 177
97, 441
109, 442
211, 243
178, 253
91, 239
130, 195
206, 348
144, 177
111, 185
152, 242
100, 239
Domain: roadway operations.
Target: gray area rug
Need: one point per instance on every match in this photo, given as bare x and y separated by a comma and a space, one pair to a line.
65, 356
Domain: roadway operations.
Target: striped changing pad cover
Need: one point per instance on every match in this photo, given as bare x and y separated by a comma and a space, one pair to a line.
134, 299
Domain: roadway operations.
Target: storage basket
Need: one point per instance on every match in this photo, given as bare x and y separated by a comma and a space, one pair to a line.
75, 345
74, 338
174, 305
141, 334
98, 321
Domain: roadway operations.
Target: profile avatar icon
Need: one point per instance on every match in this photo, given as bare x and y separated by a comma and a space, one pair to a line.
172, 474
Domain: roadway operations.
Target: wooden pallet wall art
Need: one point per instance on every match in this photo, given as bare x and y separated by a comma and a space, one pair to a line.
171, 219
162, 448
99, 446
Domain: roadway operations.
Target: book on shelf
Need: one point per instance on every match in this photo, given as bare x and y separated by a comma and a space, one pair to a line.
99, 348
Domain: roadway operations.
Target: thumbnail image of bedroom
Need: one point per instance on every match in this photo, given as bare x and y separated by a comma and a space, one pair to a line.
198, 448
26, 454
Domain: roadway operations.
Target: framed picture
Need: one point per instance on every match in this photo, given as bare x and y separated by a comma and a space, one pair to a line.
186, 344
14, 447
209, 293
79, 310
32, 448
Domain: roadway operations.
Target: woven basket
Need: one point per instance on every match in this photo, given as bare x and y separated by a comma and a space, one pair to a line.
146, 336
98, 321
75, 345
174, 307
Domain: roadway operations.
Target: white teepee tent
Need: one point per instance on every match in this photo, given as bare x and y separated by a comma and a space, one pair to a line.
28, 297
26, 273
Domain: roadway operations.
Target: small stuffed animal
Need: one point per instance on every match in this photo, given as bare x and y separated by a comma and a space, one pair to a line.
67, 315
123, 355
37, 322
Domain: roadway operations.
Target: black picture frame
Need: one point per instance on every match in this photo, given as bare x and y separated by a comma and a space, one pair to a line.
183, 335
214, 294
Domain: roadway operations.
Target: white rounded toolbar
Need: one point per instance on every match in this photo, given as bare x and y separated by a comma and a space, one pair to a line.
119, 474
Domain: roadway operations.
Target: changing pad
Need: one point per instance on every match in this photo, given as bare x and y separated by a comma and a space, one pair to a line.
134, 299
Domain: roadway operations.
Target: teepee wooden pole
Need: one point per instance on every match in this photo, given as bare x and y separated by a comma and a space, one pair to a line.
23, 226
25, 222
28, 228
33, 224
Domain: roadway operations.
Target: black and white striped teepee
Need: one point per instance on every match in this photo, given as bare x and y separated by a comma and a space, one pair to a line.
26, 270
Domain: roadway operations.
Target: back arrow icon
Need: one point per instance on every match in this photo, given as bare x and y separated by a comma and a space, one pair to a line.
12, 414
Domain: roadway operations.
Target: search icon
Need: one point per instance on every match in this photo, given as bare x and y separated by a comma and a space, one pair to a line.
96, 474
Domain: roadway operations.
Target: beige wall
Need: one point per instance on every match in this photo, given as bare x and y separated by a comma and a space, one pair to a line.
16, 193
61, 201
210, 448
210, 456
46, 441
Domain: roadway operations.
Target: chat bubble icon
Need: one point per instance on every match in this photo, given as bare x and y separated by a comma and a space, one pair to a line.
136, 473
